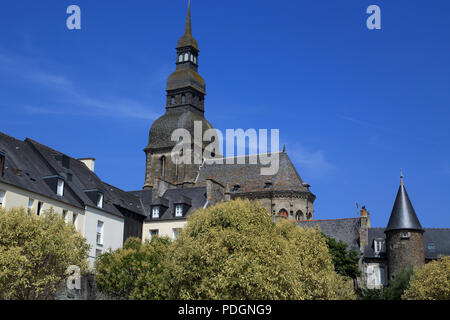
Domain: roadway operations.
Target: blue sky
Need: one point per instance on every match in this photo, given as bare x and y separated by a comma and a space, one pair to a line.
353, 105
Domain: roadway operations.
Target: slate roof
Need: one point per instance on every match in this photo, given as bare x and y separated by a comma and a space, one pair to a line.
25, 169
248, 176
403, 216
194, 198
439, 237
126, 200
345, 230
78, 176
29, 163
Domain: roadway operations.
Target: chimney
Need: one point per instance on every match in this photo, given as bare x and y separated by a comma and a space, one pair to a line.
89, 162
160, 187
215, 192
365, 225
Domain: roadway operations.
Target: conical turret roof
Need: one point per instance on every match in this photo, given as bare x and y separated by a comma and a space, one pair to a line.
403, 216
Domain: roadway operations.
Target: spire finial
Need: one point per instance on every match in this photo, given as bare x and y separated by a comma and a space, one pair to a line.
401, 177
188, 28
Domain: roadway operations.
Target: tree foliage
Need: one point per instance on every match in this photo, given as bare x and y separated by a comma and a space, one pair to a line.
345, 261
430, 282
397, 286
134, 271
370, 294
35, 252
234, 251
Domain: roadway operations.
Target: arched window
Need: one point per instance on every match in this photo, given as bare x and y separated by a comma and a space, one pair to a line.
192, 57
172, 100
308, 216
163, 166
283, 212
186, 57
195, 59
183, 99
299, 215
180, 58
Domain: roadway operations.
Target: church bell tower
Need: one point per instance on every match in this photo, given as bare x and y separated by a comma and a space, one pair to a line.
185, 105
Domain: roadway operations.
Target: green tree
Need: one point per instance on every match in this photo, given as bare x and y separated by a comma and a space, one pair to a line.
234, 251
430, 282
397, 286
345, 261
370, 294
35, 252
134, 271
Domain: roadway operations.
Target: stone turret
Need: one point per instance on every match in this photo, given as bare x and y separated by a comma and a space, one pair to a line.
404, 235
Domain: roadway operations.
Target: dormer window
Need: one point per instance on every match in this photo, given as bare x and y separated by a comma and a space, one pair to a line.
2, 198
2, 164
155, 212
179, 210
378, 246
60, 188
100, 200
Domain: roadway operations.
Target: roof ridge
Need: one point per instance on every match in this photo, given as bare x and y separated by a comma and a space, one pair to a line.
11, 137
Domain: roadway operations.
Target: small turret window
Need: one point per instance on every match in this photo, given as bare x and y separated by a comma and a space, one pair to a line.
186, 57
180, 58
404, 235
172, 100
183, 99
192, 58
195, 60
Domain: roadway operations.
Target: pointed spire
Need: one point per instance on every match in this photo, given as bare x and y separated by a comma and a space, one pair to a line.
403, 216
187, 40
188, 27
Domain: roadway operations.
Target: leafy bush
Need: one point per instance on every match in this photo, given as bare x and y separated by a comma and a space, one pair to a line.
345, 261
234, 251
35, 252
431, 282
397, 286
134, 271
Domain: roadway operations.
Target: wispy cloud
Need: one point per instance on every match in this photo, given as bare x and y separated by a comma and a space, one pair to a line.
365, 123
386, 130
69, 98
311, 164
